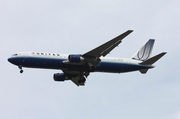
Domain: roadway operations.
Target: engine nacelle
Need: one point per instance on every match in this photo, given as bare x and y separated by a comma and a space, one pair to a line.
59, 77
75, 58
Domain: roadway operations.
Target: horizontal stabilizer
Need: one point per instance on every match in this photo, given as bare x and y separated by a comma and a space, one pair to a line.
152, 60
143, 71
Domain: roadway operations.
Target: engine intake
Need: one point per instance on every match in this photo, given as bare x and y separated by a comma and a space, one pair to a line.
75, 58
59, 77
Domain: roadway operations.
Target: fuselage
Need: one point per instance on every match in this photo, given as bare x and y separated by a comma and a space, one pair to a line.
57, 61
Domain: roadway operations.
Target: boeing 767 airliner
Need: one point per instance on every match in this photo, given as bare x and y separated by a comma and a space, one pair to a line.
77, 67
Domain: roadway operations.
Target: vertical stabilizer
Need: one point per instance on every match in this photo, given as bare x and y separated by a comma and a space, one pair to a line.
145, 51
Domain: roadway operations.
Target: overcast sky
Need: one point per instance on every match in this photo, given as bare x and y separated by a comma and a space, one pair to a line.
77, 27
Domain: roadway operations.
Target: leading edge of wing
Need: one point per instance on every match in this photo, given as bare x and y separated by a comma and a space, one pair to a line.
107, 47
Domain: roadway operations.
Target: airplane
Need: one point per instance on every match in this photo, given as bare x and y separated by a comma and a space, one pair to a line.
77, 67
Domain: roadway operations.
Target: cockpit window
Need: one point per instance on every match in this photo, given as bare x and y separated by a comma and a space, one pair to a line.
14, 54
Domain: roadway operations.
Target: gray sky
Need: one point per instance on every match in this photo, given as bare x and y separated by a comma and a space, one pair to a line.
77, 27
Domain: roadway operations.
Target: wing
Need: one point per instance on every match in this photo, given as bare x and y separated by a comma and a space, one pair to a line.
107, 47
92, 59
76, 77
93, 56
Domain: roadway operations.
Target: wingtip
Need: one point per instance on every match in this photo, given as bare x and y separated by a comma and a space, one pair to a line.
130, 30
164, 53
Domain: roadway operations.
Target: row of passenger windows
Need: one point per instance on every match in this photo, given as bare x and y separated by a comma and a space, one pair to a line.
49, 54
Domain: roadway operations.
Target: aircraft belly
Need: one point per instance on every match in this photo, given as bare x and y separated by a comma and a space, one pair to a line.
50, 63
116, 67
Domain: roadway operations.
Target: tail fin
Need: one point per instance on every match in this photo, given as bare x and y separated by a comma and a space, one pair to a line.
145, 51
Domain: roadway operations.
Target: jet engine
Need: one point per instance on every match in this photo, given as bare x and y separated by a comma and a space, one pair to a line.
59, 77
75, 58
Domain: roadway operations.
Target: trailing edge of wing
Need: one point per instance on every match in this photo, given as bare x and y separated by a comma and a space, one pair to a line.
107, 47
75, 81
75, 77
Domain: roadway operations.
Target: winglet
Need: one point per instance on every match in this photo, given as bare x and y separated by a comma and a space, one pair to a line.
152, 60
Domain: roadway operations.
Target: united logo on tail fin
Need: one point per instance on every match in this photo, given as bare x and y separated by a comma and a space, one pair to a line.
145, 51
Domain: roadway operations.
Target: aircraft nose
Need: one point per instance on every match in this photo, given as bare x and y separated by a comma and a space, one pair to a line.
12, 60
16, 60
